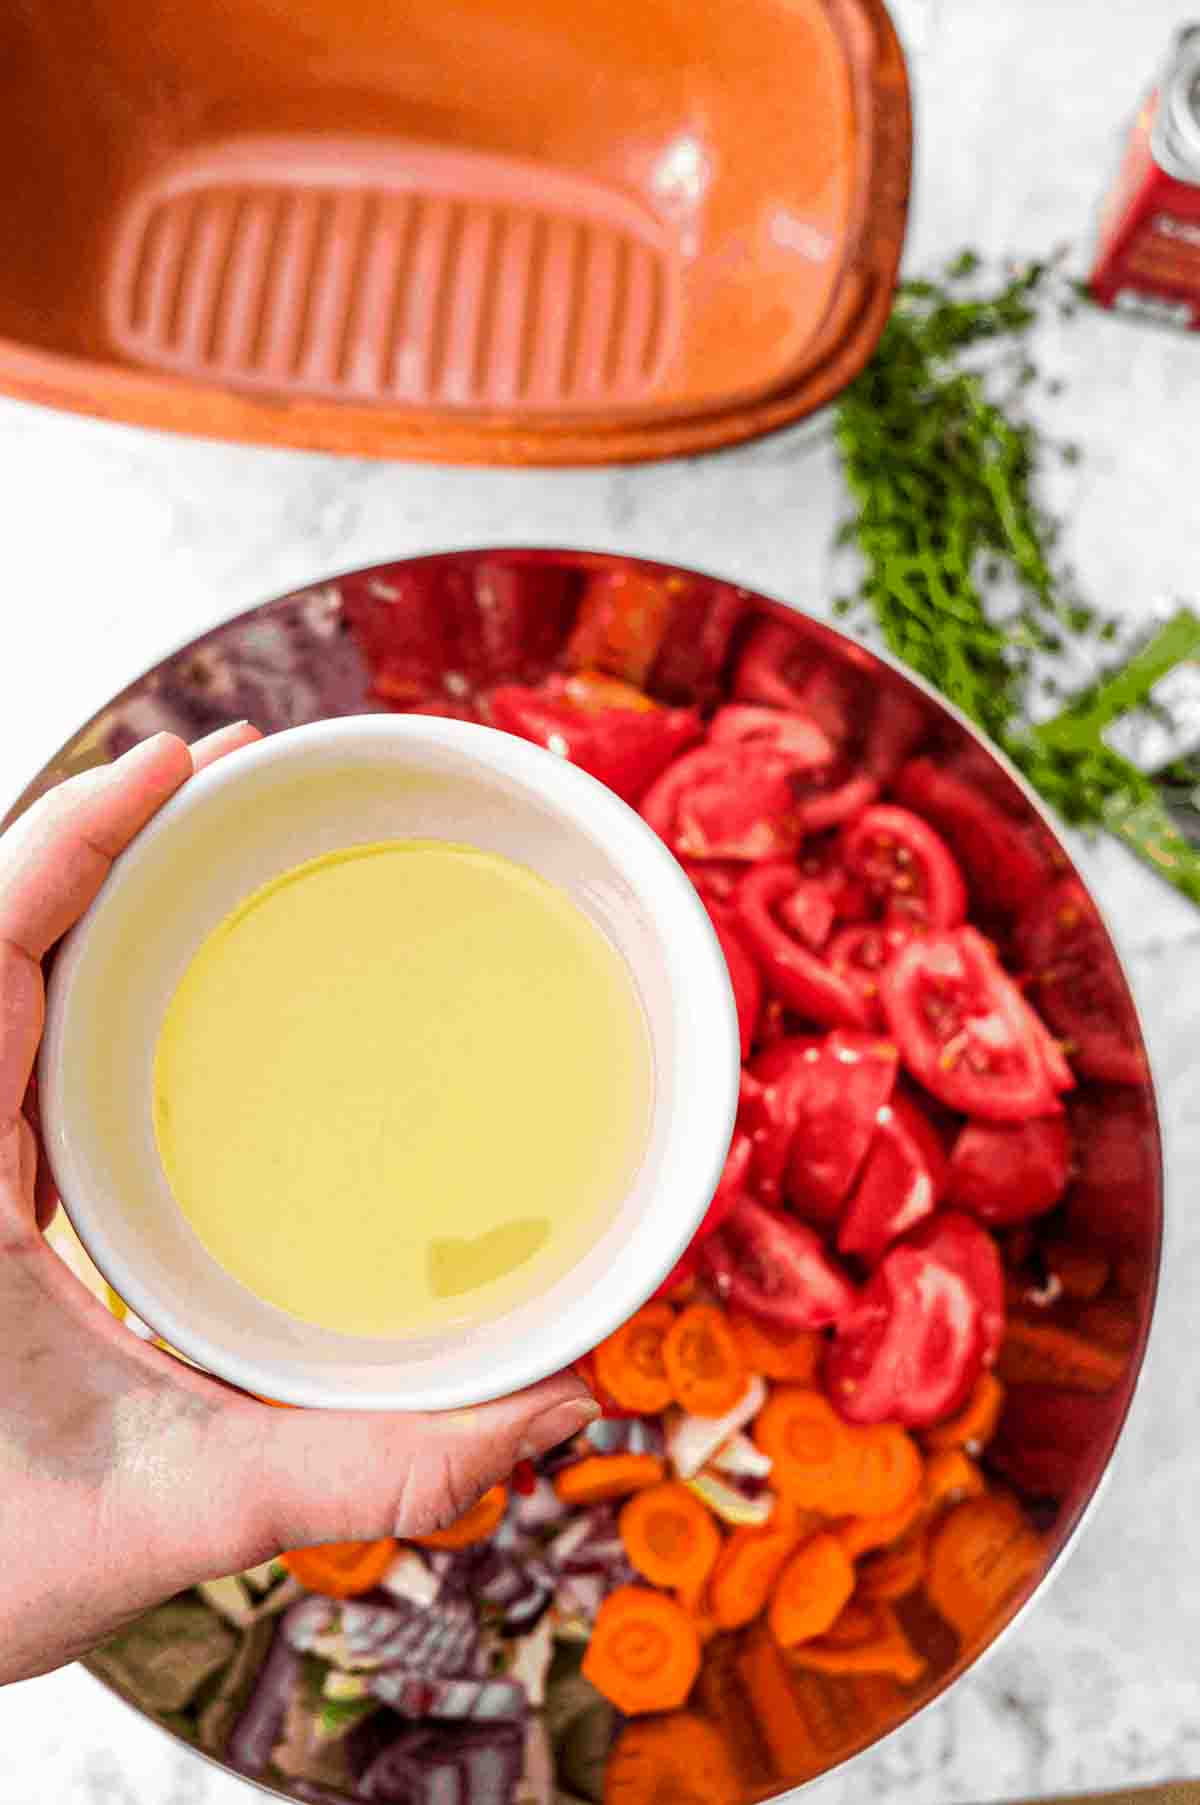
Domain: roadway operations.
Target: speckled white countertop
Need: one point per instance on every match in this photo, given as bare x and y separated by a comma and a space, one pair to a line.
119, 544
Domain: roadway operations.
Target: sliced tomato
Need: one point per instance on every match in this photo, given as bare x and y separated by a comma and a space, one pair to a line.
1114, 1191
859, 954
793, 736
906, 866
690, 663
1007, 1172
725, 1198
902, 1181
436, 633
780, 669
716, 879
743, 974
1078, 985
897, 726
1005, 863
725, 802
965, 1031
625, 748
621, 622
775, 1268
839, 1098
924, 1325
811, 1107
790, 969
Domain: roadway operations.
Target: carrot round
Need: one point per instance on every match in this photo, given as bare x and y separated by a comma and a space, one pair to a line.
975, 1424
811, 1591
1042, 1353
776, 1352
341, 1569
858, 1535
892, 1573
475, 1525
744, 1577
887, 1469
670, 1536
867, 1638
950, 1476
980, 1556
629, 1363
704, 1362
681, 1758
597, 1478
644, 1654
811, 1449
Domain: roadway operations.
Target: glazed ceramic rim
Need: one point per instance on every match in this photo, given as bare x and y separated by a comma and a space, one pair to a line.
703, 1031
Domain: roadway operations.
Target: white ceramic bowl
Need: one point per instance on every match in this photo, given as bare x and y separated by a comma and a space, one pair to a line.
255, 814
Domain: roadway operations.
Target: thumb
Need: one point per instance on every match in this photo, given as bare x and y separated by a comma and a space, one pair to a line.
311, 1476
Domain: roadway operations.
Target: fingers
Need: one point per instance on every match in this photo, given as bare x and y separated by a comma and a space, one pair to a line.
326, 1476
53, 862
55, 858
207, 751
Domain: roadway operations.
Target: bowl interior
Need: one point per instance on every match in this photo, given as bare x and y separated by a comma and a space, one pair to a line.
327, 652
291, 799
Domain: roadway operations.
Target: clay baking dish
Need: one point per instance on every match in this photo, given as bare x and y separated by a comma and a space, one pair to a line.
502, 231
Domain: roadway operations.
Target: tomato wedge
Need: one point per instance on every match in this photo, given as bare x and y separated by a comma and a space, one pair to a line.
725, 802
743, 973
620, 624
1078, 984
1007, 1172
906, 866
769, 1266
829, 1095
966, 1032
859, 954
626, 748
793, 736
1004, 864
791, 969
901, 1183
780, 670
691, 656
927, 1321
725, 1198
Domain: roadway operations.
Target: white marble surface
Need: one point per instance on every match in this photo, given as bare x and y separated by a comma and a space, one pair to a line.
119, 544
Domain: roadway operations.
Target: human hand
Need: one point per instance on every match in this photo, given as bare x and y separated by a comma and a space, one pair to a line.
126, 1475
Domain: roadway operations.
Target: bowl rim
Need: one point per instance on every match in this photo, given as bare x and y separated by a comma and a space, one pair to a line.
704, 1082
601, 557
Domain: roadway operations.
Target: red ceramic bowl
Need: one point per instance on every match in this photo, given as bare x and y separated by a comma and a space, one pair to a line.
423, 632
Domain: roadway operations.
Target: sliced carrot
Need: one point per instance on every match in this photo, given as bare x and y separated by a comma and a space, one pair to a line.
950, 1476
597, 1478
704, 1362
800, 1523
811, 1591
594, 692
644, 1654
980, 1556
975, 1424
894, 1572
1042, 1353
811, 1449
775, 1352
676, 1760
1082, 1271
475, 1525
629, 1364
341, 1569
858, 1535
1111, 1321
670, 1536
887, 1470
867, 1638
745, 1574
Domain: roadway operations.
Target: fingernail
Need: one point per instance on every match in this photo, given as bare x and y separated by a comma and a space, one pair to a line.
557, 1424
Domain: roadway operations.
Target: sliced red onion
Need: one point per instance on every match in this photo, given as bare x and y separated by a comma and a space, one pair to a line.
257, 1730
